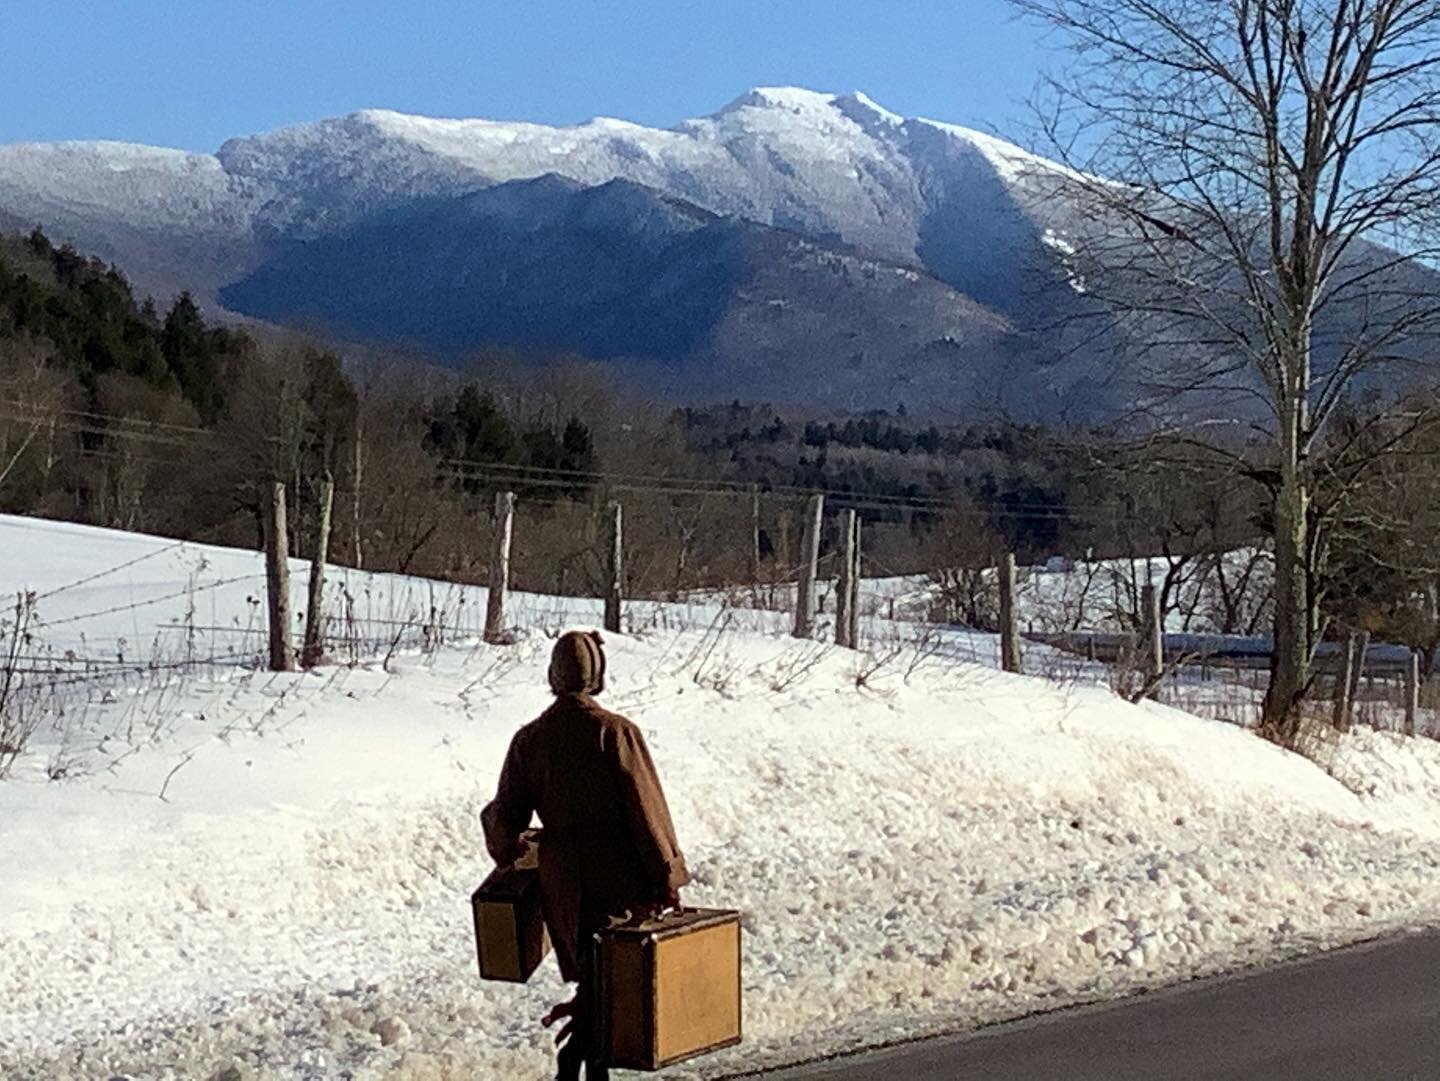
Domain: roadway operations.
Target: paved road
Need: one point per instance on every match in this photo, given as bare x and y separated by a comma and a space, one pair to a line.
1371, 1013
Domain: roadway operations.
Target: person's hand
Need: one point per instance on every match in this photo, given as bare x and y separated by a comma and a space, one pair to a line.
672, 897
560, 1010
566, 1031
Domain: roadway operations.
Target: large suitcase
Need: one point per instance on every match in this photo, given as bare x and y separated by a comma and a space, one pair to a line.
668, 988
510, 939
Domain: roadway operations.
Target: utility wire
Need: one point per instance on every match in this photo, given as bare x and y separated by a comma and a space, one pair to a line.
157, 435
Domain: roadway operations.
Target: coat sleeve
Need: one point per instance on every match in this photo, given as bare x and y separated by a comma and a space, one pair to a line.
649, 816
508, 814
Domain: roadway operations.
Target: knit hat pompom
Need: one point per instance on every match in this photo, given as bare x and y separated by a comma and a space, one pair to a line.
577, 663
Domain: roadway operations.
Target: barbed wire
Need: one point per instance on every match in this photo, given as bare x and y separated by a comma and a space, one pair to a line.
134, 605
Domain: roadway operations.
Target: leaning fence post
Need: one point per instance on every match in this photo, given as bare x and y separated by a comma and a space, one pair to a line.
499, 567
1155, 638
614, 568
277, 580
1009, 620
314, 647
1412, 692
809, 568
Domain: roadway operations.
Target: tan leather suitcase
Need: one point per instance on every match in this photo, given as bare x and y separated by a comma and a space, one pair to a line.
668, 987
510, 938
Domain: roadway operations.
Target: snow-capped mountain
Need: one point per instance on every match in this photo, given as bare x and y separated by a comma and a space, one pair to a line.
821, 164
794, 246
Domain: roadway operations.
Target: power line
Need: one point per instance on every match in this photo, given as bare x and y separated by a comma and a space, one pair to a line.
548, 476
158, 435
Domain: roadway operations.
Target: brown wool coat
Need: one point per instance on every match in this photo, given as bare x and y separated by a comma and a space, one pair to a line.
608, 846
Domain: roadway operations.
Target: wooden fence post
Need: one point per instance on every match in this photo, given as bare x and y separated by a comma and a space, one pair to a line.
277, 580
787, 557
754, 535
1010, 659
314, 647
855, 584
614, 568
357, 553
499, 567
1155, 639
847, 588
809, 568
1362, 648
1340, 708
1412, 692
1356, 647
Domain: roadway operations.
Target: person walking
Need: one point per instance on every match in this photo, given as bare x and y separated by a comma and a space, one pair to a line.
608, 851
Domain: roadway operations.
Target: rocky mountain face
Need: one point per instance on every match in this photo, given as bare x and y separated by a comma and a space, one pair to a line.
794, 247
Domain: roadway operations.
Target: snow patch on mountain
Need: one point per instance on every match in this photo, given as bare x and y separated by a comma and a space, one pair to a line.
1066, 251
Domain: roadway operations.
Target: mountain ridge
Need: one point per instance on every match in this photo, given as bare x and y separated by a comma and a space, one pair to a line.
318, 177
793, 289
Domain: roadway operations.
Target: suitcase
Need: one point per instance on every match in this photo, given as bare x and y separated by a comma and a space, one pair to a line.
510, 939
668, 988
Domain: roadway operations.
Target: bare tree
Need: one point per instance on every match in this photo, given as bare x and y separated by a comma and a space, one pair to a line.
961, 553
31, 394
1273, 178
1384, 573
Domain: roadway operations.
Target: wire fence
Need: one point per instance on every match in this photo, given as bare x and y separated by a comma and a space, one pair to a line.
693, 544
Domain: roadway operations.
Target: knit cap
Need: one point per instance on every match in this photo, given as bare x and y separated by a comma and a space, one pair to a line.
577, 663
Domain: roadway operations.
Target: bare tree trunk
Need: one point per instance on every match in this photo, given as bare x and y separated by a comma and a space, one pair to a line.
499, 567
296, 508
1010, 659
1291, 646
314, 647
809, 568
277, 579
682, 558
614, 569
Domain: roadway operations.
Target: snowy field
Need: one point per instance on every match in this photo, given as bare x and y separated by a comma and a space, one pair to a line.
272, 872
1228, 594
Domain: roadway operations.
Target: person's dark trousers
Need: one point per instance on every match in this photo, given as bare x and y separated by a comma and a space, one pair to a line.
583, 1046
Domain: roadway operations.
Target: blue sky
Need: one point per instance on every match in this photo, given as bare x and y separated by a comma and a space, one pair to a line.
191, 73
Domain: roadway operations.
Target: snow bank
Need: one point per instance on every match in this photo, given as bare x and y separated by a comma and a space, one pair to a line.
917, 847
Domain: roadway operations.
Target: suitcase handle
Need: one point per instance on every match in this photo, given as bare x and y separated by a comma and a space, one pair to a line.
635, 919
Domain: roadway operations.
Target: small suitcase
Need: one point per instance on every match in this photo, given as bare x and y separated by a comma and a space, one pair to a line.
668, 988
510, 939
